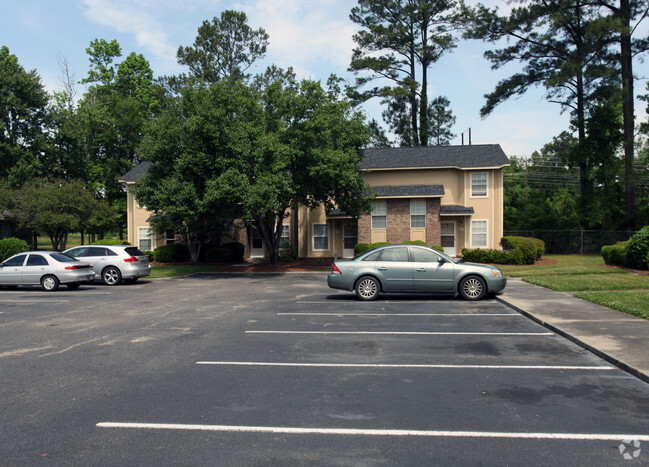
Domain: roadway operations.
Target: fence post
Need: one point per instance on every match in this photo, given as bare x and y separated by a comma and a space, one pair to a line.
581, 250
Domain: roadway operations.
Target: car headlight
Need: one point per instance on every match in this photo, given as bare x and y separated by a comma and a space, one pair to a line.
497, 272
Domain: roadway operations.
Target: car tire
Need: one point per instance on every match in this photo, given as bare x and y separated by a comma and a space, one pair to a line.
111, 276
473, 288
49, 283
73, 286
367, 288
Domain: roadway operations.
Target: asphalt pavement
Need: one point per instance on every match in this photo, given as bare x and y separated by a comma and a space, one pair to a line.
619, 338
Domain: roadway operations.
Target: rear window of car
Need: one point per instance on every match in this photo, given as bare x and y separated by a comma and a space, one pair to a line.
133, 251
61, 258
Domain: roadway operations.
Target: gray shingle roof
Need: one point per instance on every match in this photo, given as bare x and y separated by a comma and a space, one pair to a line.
396, 191
455, 209
136, 172
462, 157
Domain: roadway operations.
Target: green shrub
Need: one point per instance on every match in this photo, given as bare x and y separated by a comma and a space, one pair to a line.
288, 253
638, 248
219, 255
12, 246
171, 253
415, 242
110, 241
478, 255
361, 248
615, 254
238, 250
532, 248
438, 248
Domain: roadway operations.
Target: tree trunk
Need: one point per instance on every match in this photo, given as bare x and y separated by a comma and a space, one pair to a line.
627, 110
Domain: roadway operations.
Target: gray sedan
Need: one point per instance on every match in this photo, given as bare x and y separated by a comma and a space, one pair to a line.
47, 268
413, 268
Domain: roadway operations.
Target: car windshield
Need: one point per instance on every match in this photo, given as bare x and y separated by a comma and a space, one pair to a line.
63, 258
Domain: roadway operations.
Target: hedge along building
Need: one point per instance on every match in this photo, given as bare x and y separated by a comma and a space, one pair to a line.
443, 195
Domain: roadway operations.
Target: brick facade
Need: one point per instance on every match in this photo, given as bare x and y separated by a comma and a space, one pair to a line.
398, 222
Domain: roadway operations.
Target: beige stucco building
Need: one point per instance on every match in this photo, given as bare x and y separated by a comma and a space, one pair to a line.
450, 196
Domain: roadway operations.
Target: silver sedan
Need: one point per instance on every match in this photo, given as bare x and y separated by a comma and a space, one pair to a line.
413, 268
45, 268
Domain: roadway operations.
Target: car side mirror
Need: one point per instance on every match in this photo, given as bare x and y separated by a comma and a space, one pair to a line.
441, 260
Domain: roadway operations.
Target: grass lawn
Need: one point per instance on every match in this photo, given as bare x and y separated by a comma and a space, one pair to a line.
632, 302
611, 287
159, 272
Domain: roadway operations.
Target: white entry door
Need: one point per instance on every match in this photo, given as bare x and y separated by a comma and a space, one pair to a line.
448, 238
350, 238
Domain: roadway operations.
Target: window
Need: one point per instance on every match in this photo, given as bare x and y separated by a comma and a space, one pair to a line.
479, 184
36, 260
417, 213
420, 255
170, 236
478, 234
284, 240
16, 261
145, 242
320, 237
395, 254
379, 215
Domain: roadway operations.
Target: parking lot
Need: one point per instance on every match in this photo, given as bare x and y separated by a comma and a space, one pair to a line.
281, 370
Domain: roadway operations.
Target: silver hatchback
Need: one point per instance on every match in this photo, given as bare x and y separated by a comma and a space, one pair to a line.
113, 263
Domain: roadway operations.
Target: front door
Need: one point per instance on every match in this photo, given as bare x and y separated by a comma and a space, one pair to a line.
448, 237
350, 238
256, 244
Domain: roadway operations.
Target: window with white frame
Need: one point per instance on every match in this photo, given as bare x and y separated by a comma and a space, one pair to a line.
478, 234
379, 215
320, 237
417, 213
170, 236
145, 241
479, 184
285, 238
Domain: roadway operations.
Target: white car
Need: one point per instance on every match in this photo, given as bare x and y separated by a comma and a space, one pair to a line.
47, 268
113, 263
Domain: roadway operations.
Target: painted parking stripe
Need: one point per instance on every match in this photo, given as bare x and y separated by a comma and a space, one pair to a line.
473, 315
425, 366
361, 432
408, 333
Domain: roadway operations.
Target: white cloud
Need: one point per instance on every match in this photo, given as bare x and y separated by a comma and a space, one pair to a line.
133, 18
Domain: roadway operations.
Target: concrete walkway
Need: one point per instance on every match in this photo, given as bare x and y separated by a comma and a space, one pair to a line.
620, 338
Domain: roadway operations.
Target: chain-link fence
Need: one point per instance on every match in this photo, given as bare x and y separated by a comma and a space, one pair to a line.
574, 241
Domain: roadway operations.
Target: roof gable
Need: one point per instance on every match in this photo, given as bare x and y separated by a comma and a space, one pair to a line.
462, 157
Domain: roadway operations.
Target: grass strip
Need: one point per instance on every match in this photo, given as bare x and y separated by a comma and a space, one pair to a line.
159, 272
633, 302
590, 282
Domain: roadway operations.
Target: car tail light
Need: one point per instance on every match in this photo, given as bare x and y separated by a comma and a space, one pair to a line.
335, 270
77, 267
132, 259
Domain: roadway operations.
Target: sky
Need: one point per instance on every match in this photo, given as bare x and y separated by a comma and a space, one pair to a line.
312, 36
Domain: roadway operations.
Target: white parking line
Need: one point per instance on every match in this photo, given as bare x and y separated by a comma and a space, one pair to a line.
361, 432
36, 300
409, 333
473, 315
425, 366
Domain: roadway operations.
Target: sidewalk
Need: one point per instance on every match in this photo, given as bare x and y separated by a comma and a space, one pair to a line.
617, 337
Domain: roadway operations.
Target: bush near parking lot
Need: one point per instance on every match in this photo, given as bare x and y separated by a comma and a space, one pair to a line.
638, 248
238, 250
615, 254
12, 246
361, 248
172, 253
219, 255
633, 253
516, 250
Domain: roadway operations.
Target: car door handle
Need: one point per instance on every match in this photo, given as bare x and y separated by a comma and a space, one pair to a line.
383, 268
421, 270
